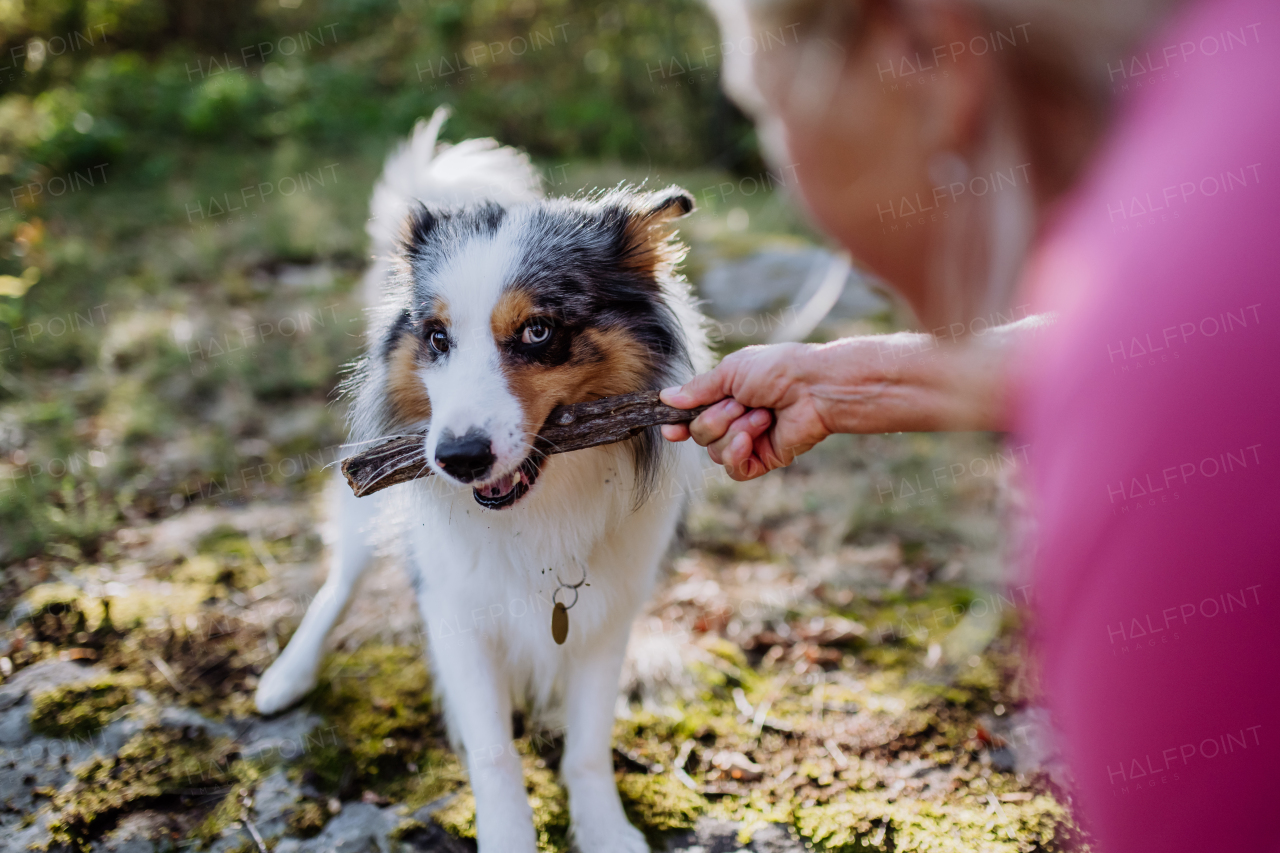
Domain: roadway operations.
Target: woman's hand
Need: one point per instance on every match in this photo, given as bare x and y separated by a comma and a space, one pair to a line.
775, 402
741, 432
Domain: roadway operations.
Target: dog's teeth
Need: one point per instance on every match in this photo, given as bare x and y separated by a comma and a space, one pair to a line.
499, 488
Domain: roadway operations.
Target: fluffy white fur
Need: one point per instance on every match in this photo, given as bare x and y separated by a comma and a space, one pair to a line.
485, 579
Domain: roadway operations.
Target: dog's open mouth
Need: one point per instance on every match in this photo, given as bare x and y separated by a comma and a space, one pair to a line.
504, 492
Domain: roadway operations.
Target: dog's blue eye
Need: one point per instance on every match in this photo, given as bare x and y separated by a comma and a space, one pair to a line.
535, 333
439, 340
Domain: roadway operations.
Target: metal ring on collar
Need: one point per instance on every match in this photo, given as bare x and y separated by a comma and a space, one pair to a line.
573, 585
566, 586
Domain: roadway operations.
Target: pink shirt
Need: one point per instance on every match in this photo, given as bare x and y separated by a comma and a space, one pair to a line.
1153, 414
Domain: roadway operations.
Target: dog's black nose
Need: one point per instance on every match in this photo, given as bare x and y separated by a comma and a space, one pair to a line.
467, 458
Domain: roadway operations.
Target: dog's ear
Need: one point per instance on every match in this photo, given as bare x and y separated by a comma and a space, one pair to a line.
422, 222
647, 244
665, 205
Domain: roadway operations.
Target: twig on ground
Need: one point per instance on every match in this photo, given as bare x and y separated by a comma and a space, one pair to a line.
169, 675
677, 769
253, 831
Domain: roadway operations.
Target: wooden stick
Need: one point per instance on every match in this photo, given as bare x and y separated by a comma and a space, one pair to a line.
574, 427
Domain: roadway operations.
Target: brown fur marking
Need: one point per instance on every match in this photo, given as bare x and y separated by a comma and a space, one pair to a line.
604, 362
440, 311
513, 309
408, 396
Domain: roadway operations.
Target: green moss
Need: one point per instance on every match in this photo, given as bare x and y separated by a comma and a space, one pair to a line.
244, 775
550, 809
654, 804
870, 822
725, 650
657, 804
547, 799
46, 595
308, 819
439, 773
890, 657
232, 558
378, 699
405, 828
80, 709
711, 715
458, 817
157, 768
128, 609
983, 678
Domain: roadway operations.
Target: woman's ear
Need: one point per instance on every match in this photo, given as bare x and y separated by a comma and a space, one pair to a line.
957, 100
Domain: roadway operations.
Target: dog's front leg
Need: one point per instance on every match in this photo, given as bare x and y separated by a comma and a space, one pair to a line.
599, 824
294, 673
479, 711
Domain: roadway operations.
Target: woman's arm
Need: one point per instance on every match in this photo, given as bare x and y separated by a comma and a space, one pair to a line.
779, 401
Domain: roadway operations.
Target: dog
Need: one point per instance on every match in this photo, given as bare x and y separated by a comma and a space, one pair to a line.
490, 306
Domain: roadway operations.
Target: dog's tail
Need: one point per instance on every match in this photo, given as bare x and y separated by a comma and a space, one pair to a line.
425, 170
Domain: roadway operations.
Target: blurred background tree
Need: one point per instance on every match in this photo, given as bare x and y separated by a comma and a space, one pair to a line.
87, 80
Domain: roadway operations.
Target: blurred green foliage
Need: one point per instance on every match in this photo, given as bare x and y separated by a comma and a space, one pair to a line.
84, 82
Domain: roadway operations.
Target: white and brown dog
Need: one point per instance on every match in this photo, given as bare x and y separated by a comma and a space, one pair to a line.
493, 306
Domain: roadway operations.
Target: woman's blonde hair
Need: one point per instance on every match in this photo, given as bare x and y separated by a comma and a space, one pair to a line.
1053, 97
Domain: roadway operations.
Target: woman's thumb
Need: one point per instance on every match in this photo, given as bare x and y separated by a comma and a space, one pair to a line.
702, 390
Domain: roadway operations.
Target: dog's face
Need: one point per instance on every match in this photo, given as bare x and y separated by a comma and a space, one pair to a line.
511, 312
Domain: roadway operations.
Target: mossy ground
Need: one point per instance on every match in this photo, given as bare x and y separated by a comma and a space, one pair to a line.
158, 768
386, 736
833, 711
80, 709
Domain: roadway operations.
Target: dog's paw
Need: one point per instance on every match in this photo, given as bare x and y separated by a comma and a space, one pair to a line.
612, 836
282, 685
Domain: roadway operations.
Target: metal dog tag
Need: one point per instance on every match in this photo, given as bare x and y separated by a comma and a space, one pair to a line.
560, 624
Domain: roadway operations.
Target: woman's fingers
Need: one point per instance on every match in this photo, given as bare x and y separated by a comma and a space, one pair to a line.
748, 469
675, 432
709, 426
753, 424
700, 390
737, 450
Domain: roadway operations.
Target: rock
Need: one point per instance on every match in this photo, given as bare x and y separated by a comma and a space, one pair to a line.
283, 738
43, 676
139, 832
775, 838
431, 838
365, 828
721, 836
1004, 760
174, 717
28, 762
274, 799
358, 828
23, 839
774, 282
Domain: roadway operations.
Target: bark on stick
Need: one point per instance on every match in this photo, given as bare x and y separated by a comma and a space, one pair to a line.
575, 427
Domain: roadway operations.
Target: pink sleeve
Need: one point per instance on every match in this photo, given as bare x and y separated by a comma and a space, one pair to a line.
1153, 415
